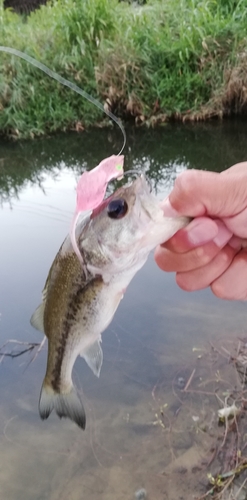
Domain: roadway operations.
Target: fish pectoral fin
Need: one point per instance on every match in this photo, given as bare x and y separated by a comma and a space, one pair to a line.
93, 356
37, 319
65, 405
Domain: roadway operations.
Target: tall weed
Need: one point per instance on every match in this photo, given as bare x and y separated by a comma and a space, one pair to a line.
167, 58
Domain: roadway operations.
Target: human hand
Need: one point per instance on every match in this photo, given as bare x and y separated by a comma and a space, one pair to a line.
212, 249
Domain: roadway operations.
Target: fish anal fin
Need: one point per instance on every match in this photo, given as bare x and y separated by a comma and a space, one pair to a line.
37, 319
66, 405
93, 356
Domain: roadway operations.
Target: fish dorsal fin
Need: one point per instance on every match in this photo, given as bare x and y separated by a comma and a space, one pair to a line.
93, 356
44, 293
37, 319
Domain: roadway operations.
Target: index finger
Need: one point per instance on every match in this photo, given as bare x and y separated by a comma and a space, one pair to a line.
198, 193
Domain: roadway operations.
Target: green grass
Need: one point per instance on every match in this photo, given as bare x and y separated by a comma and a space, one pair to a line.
181, 59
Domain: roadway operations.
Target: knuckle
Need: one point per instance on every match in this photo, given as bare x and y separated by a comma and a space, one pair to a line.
201, 257
186, 181
204, 255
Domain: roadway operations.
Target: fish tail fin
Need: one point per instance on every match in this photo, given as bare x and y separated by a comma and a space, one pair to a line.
66, 404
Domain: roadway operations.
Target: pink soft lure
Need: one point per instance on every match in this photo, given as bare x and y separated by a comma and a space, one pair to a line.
91, 190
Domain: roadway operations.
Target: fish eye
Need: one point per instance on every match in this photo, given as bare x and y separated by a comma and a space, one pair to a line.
117, 208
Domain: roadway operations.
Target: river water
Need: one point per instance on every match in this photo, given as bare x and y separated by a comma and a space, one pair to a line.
143, 430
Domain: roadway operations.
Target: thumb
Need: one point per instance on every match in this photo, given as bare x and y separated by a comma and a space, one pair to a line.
198, 193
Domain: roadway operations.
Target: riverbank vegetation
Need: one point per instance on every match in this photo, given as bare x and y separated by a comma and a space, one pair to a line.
167, 59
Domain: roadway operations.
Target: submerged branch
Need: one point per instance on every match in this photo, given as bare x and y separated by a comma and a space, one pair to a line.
29, 347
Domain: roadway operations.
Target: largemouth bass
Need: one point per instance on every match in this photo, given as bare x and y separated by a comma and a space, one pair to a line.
80, 298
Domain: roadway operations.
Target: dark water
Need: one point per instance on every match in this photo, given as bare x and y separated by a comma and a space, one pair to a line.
142, 431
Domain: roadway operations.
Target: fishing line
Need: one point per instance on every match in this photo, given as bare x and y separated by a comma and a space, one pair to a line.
66, 83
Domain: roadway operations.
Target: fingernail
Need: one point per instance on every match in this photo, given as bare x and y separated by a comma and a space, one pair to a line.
223, 236
168, 210
201, 231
